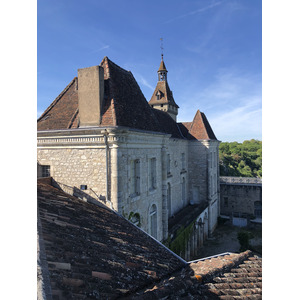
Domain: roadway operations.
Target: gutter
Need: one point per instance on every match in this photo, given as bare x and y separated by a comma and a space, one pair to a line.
209, 257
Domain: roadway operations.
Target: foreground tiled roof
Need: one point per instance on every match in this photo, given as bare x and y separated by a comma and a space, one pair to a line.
231, 276
93, 253
124, 105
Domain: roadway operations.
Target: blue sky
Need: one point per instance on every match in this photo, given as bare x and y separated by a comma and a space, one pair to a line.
212, 50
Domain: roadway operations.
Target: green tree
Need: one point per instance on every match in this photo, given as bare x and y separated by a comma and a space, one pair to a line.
241, 159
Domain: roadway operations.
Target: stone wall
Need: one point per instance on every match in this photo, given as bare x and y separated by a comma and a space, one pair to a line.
239, 198
76, 167
144, 147
102, 161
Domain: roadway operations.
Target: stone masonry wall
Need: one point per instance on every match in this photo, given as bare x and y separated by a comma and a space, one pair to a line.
239, 198
75, 167
144, 152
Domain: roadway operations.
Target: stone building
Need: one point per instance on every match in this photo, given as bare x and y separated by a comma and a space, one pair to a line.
101, 139
241, 199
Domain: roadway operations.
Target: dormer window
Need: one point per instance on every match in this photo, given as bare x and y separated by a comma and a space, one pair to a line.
158, 95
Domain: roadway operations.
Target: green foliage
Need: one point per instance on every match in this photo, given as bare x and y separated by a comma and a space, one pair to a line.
244, 239
241, 159
134, 218
178, 245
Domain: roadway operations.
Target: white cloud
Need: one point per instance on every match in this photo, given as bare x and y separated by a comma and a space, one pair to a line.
194, 12
142, 81
100, 49
232, 104
240, 123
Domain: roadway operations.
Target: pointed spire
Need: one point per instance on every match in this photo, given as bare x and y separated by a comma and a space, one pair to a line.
162, 66
162, 98
162, 71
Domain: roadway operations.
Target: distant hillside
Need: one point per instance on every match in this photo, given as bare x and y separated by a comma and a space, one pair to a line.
241, 159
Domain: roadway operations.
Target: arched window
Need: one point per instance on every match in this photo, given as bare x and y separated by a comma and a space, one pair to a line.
153, 221
169, 199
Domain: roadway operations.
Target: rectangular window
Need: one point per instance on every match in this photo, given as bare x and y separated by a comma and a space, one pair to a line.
216, 158
135, 177
183, 161
152, 175
168, 164
225, 201
45, 171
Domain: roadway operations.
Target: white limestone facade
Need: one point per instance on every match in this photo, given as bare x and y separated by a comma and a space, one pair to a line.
145, 176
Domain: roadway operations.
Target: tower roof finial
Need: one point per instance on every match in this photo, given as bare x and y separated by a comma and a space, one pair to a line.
162, 48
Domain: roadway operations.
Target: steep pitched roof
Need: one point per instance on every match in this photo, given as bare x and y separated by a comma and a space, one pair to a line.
200, 128
166, 95
124, 105
93, 253
62, 110
162, 66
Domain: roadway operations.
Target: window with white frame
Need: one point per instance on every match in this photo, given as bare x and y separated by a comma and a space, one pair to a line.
152, 174
135, 177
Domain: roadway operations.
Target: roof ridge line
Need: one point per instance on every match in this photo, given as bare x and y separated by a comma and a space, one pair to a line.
236, 259
194, 120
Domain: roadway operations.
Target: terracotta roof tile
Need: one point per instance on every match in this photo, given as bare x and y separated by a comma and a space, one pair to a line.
230, 276
61, 111
200, 127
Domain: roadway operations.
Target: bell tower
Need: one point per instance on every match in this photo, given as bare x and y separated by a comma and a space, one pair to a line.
162, 71
162, 98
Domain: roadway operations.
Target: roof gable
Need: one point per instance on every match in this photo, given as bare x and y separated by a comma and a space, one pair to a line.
62, 110
200, 127
166, 94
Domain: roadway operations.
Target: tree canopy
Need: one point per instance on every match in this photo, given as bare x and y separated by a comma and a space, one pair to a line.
241, 159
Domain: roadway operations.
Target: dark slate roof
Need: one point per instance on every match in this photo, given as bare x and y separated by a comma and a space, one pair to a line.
93, 253
231, 276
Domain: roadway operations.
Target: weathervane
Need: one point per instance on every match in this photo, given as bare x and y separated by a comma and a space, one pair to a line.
162, 48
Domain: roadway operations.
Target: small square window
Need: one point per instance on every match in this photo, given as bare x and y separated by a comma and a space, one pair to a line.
45, 171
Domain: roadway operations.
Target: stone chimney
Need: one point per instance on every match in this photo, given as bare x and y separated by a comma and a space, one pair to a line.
90, 96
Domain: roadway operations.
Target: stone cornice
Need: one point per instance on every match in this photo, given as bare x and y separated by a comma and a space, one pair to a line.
95, 138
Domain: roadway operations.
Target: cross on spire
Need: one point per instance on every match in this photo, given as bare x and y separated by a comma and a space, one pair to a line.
161, 47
